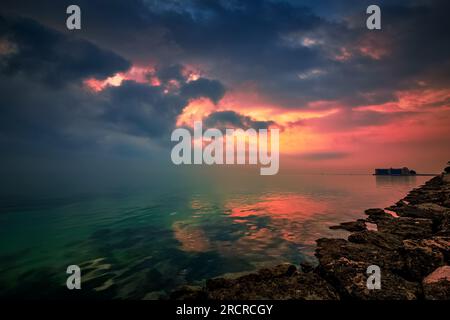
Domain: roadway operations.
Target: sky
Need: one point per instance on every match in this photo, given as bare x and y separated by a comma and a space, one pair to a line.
107, 97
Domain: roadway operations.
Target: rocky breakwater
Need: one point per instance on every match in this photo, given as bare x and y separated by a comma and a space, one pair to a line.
409, 241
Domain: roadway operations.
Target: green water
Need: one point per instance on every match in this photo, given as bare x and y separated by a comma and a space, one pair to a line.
146, 242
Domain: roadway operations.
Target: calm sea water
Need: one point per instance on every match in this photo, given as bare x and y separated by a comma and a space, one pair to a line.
144, 243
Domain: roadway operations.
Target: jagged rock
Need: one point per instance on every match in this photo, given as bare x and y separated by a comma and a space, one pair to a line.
423, 256
377, 214
443, 229
434, 191
431, 211
257, 286
329, 250
436, 286
352, 226
341, 261
282, 270
406, 228
307, 267
188, 293
281, 282
344, 265
379, 239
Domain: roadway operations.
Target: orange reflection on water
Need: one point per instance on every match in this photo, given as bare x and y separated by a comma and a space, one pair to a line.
287, 212
280, 206
289, 220
191, 238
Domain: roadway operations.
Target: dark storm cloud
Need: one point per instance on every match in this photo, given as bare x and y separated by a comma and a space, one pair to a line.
140, 109
150, 111
202, 87
231, 119
49, 56
72, 115
246, 33
46, 106
172, 72
262, 42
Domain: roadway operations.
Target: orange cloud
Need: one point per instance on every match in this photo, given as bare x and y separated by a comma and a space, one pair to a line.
135, 73
250, 102
414, 100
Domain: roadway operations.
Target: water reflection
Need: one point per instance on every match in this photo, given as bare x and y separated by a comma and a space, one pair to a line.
285, 217
389, 181
192, 238
277, 206
143, 245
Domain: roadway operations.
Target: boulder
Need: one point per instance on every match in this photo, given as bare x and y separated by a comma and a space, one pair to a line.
380, 239
188, 293
406, 228
436, 286
283, 282
376, 214
423, 256
330, 250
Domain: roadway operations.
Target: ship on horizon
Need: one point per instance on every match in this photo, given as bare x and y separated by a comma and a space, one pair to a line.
394, 172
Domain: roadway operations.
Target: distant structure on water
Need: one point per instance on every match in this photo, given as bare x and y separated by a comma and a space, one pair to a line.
394, 172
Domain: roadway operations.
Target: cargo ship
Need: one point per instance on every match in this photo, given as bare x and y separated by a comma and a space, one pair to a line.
394, 172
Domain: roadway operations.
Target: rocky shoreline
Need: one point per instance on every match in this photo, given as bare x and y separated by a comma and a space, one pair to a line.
409, 241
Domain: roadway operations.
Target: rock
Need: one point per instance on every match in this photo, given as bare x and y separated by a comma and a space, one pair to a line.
411, 247
351, 226
436, 190
423, 256
281, 282
406, 228
344, 265
298, 286
436, 286
377, 214
282, 270
330, 251
443, 229
334, 249
188, 293
431, 211
380, 239
350, 278
307, 267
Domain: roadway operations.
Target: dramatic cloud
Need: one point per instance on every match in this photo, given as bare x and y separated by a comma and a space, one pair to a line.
296, 51
173, 72
212, 89
144, 110
48, 56
138, 68
140, 109
231, 119
59, 110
